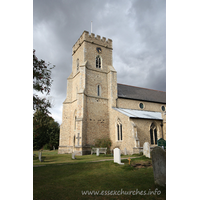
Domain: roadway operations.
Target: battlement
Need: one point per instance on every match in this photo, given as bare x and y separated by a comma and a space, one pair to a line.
92, 39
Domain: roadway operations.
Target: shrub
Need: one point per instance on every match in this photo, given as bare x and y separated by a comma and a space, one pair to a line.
104, 142
46, 147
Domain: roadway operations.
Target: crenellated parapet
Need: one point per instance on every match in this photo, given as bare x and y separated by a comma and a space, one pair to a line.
92, 39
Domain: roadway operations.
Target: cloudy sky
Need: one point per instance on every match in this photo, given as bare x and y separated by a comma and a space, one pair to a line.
136, 27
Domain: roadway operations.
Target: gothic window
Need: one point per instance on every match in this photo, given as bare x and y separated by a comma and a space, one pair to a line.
119, 130
98, 62
77, 64
98, 90
153, 134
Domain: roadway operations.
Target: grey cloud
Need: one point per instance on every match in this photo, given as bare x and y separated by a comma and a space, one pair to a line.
137, 28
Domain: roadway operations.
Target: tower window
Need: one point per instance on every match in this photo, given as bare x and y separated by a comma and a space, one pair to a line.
98, 62
77, 64
98, 90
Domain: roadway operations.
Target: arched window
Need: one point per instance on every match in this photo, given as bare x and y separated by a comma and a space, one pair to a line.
153, 134
119, 130
98, 62
77, 64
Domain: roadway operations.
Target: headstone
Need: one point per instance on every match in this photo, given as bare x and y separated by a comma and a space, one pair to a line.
146, 149
73, 156
159, 165
97, 151
125, 151
53, 148
117, 156
40, 156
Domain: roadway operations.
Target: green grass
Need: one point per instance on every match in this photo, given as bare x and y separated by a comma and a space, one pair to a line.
52, 157
67, 181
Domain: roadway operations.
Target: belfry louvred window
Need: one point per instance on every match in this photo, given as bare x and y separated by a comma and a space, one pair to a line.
98, 62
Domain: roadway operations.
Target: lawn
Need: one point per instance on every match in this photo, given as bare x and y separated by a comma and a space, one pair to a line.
70, 179
52, 157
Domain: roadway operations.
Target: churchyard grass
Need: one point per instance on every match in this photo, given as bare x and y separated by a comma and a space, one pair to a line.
69, 180
52, 157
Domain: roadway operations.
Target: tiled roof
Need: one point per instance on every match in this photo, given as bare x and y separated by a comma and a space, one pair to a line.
137, 93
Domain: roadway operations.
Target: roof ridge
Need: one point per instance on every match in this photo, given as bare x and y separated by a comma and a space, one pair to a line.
140, 87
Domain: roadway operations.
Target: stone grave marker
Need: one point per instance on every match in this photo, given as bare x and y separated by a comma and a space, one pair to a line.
159, 165
125, 151
40, 156
73, 156
97, 152
146, 149
117, 156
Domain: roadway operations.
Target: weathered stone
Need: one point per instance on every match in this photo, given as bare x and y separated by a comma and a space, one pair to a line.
159, 166
97, 152
117, 156
73, 156
40, 156
146, 149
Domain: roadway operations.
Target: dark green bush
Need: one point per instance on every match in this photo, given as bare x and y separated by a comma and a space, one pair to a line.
104, 142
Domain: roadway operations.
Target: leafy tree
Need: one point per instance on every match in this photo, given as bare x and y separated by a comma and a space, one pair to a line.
42, 82
45, 131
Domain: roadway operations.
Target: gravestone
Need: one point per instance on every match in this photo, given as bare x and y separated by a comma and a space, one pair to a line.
146, 149
159, 165
73, 156
53, 148
117, 156
40, 156
161, 143
97, 152
125, 151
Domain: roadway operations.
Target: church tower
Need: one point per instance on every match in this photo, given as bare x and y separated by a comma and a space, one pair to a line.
91, 94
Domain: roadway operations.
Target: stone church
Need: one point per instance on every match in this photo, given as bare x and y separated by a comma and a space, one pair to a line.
98, 107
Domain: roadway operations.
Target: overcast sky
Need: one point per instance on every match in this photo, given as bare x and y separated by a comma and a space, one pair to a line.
136, 27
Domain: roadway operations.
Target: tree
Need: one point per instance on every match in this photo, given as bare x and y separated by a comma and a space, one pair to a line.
45, 131
42, 82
